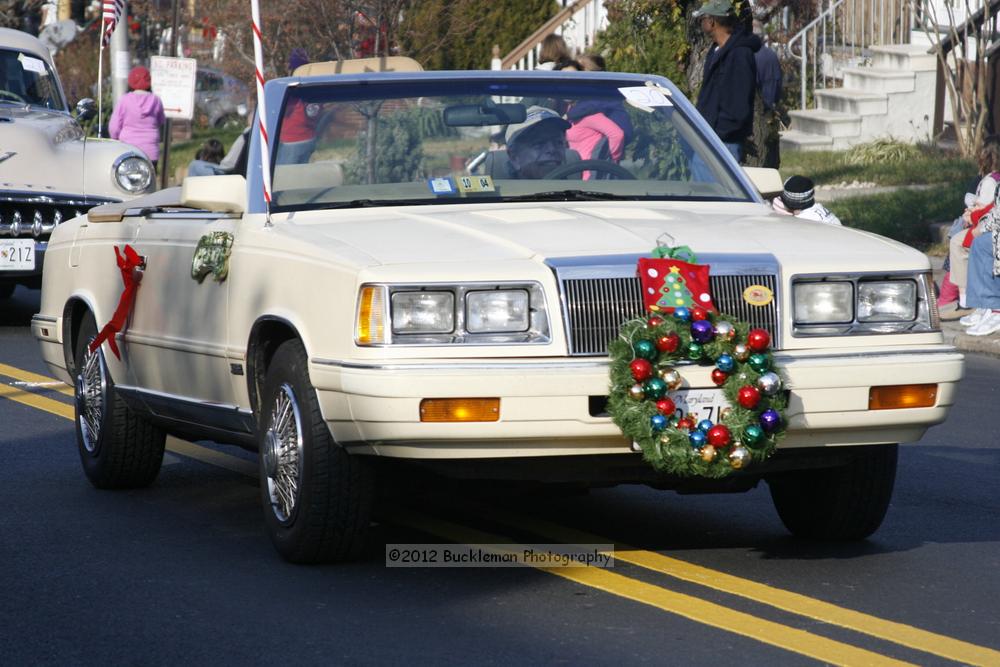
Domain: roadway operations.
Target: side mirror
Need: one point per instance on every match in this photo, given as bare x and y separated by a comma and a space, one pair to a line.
86, 109
767, 181
219, 194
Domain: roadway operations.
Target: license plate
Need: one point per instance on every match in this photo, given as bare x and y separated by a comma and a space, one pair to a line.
17, 255
700, 403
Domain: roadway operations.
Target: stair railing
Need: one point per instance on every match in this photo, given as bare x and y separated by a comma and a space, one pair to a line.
841, 33
578, 21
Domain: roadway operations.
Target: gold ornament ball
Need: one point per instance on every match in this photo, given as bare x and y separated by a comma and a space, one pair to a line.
739, 457
725, 414
708, 453
741, 352
725, 330
671, 377
636, 393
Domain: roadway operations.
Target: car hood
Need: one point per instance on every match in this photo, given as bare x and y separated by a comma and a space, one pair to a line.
483, 233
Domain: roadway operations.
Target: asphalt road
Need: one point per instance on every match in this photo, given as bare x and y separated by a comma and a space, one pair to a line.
182, 571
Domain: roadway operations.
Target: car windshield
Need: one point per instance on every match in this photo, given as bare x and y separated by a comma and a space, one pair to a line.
27, 79
458, 140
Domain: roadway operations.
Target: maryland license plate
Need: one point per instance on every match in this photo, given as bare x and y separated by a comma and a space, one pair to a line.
17, 255
700, 403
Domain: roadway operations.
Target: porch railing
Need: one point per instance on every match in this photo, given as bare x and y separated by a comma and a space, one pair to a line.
840, 36
578, 22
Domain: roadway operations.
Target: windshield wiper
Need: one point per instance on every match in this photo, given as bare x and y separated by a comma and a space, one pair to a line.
569, 195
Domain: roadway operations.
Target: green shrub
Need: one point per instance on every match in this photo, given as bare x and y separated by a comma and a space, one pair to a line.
881, 152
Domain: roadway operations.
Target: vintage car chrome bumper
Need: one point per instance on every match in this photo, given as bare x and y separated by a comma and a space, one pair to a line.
547, 407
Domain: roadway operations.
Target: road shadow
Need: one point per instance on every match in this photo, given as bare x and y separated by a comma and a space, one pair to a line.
18, 310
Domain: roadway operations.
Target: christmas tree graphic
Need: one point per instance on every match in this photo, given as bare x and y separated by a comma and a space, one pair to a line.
674, 292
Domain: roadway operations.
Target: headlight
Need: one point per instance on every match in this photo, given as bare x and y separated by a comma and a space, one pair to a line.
824, 303
452, 314
887, 301
133, 173
861, 304
423, 312
496, 312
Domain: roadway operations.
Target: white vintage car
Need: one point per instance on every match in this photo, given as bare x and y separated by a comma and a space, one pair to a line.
49, 172
415, 291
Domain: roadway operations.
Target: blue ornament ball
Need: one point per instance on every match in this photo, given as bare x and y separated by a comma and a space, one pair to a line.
725, 363
770, 420
704, 425
682, 314
697, 439
658, 422
702, 331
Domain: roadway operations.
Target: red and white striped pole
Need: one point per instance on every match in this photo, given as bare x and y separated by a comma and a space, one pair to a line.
258, 62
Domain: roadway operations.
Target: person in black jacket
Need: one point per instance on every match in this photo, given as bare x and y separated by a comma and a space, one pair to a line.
730, 80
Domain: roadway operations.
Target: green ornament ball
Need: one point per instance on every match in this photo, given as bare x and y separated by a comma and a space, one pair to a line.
654, 388
752, 435
694, 351
645, 349
759, 362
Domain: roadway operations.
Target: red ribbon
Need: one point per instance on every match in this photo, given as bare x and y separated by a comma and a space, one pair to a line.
127, 264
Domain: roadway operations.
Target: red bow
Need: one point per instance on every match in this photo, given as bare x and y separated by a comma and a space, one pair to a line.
127, 264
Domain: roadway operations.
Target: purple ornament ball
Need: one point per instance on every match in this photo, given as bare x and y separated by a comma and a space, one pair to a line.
770, 420
702, 331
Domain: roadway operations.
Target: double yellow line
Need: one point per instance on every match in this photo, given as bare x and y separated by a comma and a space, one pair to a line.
694, 608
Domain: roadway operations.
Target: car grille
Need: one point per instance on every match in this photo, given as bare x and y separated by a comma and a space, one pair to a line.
37, 215
596, 305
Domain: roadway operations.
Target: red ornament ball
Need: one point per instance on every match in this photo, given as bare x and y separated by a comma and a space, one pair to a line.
665, 407
698, 313
668, 343
685, 424
719, 436
748, 397
654, 322
641, 369
758, 340
719, 376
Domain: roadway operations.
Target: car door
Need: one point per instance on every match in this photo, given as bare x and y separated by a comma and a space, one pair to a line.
178, 335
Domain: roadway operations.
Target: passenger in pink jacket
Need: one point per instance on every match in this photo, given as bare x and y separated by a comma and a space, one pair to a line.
138, 115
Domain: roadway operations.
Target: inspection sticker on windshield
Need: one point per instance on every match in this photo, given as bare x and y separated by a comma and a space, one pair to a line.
31, 64
442, 185
645, 97
475, 184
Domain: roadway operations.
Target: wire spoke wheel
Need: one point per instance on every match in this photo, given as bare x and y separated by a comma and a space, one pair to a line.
283, 454
91, 398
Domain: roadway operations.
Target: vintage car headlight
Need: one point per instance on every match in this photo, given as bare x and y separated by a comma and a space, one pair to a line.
887, 301
423, 312
863, 304
449, 314
132, 173
496, 311
823, 302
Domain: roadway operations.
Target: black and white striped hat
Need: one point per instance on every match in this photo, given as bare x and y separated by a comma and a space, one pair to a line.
799, 193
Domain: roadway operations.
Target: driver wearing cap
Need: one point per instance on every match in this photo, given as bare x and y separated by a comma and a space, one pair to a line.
538, 145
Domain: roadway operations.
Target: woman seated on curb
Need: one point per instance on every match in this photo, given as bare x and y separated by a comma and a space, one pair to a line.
983, 291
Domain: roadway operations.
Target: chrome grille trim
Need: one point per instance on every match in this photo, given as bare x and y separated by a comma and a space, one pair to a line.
597, 294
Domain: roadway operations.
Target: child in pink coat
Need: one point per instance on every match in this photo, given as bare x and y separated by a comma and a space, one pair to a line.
138, 115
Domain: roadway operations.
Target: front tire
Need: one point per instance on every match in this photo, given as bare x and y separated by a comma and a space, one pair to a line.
844, 503
118, 449
317, 498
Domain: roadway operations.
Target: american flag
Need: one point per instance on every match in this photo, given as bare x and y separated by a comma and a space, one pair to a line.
112, 11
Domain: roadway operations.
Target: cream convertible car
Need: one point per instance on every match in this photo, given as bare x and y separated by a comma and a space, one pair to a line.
415, 294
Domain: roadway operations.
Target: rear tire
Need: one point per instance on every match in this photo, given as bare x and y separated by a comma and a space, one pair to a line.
845, 503
118, 449
317, 498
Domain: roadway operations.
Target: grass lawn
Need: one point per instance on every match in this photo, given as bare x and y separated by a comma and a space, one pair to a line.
930, 165
182, 152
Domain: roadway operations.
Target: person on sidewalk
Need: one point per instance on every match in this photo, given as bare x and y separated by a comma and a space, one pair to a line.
976, 207
983, 291
138, 115
799, 199
729, 81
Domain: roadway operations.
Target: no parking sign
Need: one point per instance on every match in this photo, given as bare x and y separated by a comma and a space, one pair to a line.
173, 80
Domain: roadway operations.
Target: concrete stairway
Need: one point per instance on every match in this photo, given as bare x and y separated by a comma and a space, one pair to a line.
892, 98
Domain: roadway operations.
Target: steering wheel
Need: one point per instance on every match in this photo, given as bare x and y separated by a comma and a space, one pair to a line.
15, 96
580, 166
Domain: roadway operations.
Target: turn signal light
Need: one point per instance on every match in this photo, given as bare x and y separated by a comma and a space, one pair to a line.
902, 396
370, 325
460, 410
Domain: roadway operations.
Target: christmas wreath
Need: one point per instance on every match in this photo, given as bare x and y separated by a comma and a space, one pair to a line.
643, 373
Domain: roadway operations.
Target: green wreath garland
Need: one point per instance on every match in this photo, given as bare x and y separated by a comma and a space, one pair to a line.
642, 373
